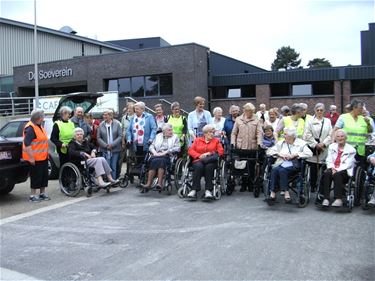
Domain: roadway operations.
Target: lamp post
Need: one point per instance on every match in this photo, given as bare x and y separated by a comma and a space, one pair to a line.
36, 61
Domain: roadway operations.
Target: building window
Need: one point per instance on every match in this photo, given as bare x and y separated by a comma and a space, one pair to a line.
363, 86
124, 88
138, 86
142, 86
152, 85
112, 85
323, 88
166, 85
302, 90
279, 90
248, 91
234, 93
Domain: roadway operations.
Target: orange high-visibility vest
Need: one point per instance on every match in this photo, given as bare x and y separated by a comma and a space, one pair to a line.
39, 145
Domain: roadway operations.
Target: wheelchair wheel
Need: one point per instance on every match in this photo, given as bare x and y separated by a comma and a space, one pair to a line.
266, 181
257, 182
124, 181
304, 197
231, 183
358, 185
182, 192
168, 188
223, 177
368, 191
70, 179
350, 196
178, 172
217, 194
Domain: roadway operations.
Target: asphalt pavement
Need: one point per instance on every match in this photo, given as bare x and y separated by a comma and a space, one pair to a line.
125, 235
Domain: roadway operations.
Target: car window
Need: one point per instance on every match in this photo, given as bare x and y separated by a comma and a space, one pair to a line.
10, 130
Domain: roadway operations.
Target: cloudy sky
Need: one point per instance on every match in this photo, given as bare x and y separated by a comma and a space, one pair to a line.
251, 31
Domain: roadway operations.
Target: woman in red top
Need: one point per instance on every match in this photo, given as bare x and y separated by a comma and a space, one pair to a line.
205, 152
340, 165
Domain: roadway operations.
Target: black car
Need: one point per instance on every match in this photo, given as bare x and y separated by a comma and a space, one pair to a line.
13, 169
13, 130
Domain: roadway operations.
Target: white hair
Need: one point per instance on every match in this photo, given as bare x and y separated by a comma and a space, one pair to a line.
36, 114
140, 104
166, 126
217, 109
78, 130
291, 131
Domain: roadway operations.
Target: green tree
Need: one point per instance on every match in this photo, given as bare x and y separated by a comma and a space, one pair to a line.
318, 62
287, 58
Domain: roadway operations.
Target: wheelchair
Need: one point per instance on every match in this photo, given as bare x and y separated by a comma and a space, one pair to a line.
298, 183
168, 174
369, 183
74, 178
134, 164
186, 180
240, 165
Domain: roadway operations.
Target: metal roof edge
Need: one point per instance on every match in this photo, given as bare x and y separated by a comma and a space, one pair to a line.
62, 34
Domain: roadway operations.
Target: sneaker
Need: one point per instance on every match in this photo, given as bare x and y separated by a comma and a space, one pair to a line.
208, 195
44, 197
105, 185
372, 201
325, 203
337, 203
114, 182
34, 199
192, 194
282, 193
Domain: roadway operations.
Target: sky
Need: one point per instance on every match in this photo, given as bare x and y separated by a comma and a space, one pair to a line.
248, 30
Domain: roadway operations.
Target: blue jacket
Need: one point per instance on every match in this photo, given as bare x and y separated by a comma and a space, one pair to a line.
193, 120
149, 130
228, 126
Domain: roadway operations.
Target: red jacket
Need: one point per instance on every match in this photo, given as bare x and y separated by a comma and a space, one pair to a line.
200, 146
333, 118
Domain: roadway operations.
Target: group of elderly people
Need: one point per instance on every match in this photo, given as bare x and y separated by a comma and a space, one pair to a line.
287, 136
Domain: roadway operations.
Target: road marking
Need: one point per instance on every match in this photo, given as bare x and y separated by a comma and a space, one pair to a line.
42, 210
11, 275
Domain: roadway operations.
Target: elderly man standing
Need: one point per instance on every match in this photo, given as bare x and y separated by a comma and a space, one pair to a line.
262, 113
35, 151
79, 122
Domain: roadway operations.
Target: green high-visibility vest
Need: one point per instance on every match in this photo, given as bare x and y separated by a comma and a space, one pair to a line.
357, 132
66, 131
289, 123
177, 124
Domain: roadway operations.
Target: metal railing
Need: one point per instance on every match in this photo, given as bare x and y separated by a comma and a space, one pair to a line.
168, 102
12, 106
148, 109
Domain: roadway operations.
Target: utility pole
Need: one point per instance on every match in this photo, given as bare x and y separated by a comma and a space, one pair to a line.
36, 61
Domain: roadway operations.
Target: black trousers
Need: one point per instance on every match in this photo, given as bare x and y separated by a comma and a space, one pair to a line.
206, 170
63, 157
339, 180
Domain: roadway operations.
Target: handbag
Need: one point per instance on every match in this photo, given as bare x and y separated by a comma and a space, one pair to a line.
210, 159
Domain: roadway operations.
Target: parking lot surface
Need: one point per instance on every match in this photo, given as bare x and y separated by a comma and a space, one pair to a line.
125, 235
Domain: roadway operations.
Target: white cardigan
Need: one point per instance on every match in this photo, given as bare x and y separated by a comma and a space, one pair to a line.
347, 158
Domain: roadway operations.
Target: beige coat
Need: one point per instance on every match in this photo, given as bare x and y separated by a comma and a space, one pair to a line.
247, 134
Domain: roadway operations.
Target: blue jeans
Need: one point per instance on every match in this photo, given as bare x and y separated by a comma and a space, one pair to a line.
279, 177
112, 160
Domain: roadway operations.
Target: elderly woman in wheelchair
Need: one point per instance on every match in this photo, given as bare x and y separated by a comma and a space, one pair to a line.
340, 166
288, 154
205, 152
80, 149
165, 146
